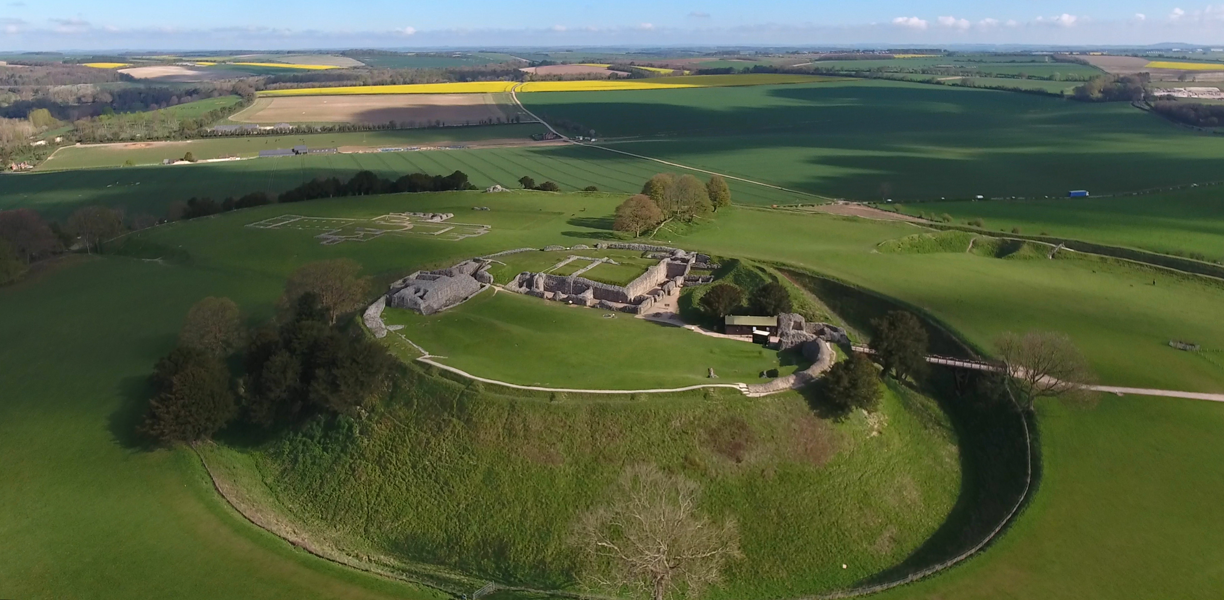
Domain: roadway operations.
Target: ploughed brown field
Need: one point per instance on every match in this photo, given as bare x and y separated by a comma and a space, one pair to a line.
572, 70
405, 109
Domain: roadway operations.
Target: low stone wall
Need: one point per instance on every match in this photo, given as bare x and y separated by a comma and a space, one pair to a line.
509, 252
817, 351
373, 318
636, 247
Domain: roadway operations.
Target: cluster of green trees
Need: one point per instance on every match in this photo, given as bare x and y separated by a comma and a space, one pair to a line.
150, 125
548, 186
667, 197
26, 238
1190, 113
1113, 88
383, 76
301, 365
723, 299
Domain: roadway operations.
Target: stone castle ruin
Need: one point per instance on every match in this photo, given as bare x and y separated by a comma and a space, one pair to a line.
428, 292
637, 297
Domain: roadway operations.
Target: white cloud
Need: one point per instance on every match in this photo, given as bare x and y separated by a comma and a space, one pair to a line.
407, 31
910, 22
11, 26
699, 15
988, 23
954, 23
1063, 20
646, 26
1140, 17
70, 25
559, 28
1177, 14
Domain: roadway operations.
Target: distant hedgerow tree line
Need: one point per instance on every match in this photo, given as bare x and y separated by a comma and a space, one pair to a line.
364, 183
304, 364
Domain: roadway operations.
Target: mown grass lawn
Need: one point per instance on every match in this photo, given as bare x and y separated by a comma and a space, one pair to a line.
1185, 222
529, 341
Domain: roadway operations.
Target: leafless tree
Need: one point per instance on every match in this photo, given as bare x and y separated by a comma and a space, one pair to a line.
652, 539
95, 224
336, 282
213, 325
1042, 364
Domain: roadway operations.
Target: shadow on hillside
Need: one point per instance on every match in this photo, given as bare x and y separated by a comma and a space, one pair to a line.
603, 225
989, 434
123, 424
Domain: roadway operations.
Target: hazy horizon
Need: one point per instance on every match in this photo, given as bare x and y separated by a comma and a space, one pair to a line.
75, 25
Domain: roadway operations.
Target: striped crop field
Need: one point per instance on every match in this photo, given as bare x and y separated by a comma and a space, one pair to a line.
469, 87
671, 83
106, 65
1185, 66
496, 87
286, 66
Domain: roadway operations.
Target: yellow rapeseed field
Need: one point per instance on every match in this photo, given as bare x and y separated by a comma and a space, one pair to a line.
287, 66
913, 55
106, 65
651, 69
1185, 66
473, 87
595, 85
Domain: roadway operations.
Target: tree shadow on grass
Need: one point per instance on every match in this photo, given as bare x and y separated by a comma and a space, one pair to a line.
602, 225
603, 236
124, 422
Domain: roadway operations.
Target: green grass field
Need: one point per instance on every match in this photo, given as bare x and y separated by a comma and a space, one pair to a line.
561, 346
115, 155
1188, 221
987, 65
194, 110
872, 140
153, 190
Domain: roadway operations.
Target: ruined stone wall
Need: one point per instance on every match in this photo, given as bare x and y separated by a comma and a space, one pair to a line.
637, 247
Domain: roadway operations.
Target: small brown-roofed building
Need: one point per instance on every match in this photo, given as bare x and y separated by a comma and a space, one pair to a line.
741, 325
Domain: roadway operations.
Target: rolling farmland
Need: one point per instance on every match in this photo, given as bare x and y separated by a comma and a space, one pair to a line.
152, 190
410, 110
872, 140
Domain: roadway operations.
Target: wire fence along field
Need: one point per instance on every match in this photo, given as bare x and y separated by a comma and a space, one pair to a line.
337, 230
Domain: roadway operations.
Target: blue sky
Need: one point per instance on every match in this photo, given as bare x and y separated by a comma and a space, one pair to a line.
246, 24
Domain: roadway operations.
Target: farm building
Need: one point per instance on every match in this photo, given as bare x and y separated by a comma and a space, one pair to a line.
1077, 194
275, 153
741, 325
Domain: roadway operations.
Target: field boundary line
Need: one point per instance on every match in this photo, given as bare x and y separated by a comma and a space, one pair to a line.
514, 96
